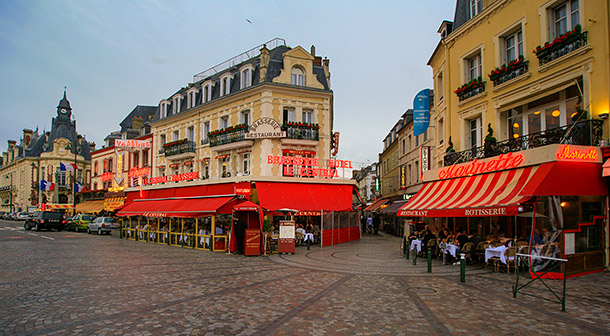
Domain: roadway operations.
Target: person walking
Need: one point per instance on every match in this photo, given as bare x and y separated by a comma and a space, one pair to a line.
376, 222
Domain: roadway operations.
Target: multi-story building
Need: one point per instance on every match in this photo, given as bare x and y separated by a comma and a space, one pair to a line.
257, 126
124, 161
521, 103
39, 169
366, 179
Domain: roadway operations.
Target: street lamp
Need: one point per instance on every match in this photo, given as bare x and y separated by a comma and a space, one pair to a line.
11, 192
74, 184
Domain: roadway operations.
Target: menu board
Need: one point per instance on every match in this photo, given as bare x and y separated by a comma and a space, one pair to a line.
569, 245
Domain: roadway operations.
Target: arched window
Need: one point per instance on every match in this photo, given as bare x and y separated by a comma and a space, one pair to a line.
298, 76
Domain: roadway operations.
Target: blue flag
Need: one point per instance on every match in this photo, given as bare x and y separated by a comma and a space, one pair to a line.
421, 112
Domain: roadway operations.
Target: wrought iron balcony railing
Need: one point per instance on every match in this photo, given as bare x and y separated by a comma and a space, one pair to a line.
301, 132
515, 72
234, 135
564, 47
179, 147
471, 91
584, 132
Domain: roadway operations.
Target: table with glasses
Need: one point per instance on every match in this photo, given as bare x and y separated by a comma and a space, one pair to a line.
416, 244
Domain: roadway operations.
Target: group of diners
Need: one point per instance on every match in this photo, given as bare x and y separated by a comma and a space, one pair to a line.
184, 233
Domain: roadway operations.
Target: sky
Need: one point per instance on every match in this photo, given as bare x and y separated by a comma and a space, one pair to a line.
114, 55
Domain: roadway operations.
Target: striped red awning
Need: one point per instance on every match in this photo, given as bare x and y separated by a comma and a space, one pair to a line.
184, 207
375, 205
493, 194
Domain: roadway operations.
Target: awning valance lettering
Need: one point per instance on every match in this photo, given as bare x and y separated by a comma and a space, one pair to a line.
186, 207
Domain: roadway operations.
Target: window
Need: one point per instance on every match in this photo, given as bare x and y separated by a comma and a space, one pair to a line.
244, 117
425, 136
191, 96
190, 133
207, 92
145, 156
205, 129
564, 17
223, 163
224, 122
513, 46
136, 159
474, 8
439, 86
473, 67
475, 132
441, 131
176, 104
225, 84
245, 163
416, 141
162, 171
404, 146
298, 76
61, 177
162, 139
289, 115
205, 169
246, 76
163, 108
308, 117
175, 135
44, 177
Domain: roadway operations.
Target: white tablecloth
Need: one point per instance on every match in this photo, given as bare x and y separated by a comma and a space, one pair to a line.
496, 252
452, 249
308, 236
416, 244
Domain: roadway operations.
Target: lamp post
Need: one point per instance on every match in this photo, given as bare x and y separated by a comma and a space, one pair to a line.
10, 192
74, 181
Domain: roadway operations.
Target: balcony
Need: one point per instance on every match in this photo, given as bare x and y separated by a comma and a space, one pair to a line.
506, 73
301, 134
470, 89
561, 46
584, 133
180, 149
230, 138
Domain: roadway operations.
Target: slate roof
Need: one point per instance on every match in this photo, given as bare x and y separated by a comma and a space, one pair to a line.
276, 64
139, 111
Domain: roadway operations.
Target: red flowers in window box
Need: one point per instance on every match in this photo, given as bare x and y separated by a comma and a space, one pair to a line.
506, 68
560, 40
473, 84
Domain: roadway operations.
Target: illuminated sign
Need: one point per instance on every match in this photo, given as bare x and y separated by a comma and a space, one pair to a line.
242, 191
265, 128
504, 161
116, 189
172, 178
403, 177
105, 177
424, 160
569, 153
413, 213
137, 172
308, 166
122, 143
298, 152
336, 143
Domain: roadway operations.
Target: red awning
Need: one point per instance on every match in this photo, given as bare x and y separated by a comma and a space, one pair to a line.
606, 167
375, 205
247, 206
185, 207
499, 193
304, 197
493, 194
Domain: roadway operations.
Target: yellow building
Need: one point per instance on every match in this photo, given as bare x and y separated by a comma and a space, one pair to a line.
525, 79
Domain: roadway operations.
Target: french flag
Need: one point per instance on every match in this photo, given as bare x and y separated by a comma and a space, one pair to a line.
79, 187
67, 167
46, 185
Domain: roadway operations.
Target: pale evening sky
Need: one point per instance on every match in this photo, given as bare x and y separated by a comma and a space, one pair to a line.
115, 54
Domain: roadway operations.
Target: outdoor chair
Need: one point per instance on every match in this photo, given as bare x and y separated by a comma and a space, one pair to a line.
468, 251
510, 255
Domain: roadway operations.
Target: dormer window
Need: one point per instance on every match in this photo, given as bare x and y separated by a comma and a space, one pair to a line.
298, 76
474, 8
225, 84
163, 108
191, 98
177, 101
207, 91
246, 76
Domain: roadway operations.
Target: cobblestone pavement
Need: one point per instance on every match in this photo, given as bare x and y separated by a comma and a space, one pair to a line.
79, 284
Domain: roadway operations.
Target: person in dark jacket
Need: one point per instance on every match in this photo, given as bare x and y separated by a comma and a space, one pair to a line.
376, 222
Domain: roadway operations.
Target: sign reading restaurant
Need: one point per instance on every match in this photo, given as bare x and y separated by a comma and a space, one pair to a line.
265, 128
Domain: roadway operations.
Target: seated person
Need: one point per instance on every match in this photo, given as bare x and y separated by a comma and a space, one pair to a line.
461, 239
427, 235
412, 236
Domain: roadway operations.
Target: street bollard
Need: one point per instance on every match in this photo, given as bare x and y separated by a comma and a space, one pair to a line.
307, 244
429, 260
462, 267
414, 257
404, 245
408, 252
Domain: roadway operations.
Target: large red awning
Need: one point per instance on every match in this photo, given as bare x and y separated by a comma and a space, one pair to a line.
500, 193
186, 207
305, 198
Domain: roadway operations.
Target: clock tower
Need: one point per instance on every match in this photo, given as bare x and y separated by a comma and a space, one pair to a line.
64, 111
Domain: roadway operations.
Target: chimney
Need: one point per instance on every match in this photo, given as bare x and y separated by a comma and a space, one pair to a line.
137, 123
327, 70
92, 146
313, 50
264, 63
27, 136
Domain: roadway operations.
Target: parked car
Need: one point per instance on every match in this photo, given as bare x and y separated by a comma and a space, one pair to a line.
22, 216
12, 216
45, 220
80, 222
102, 225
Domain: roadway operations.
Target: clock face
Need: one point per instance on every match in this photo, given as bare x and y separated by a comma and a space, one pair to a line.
64, 111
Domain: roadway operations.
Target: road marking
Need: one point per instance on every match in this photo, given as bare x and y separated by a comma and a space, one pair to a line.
45, 237
68, 236
13, 237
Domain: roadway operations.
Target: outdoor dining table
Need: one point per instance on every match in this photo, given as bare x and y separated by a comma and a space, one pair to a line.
496, 252
415, 243
452, 249
308, 236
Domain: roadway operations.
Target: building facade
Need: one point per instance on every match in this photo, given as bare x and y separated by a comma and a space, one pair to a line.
527, 80
39, 168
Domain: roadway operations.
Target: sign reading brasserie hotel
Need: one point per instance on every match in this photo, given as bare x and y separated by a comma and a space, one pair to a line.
265, 128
